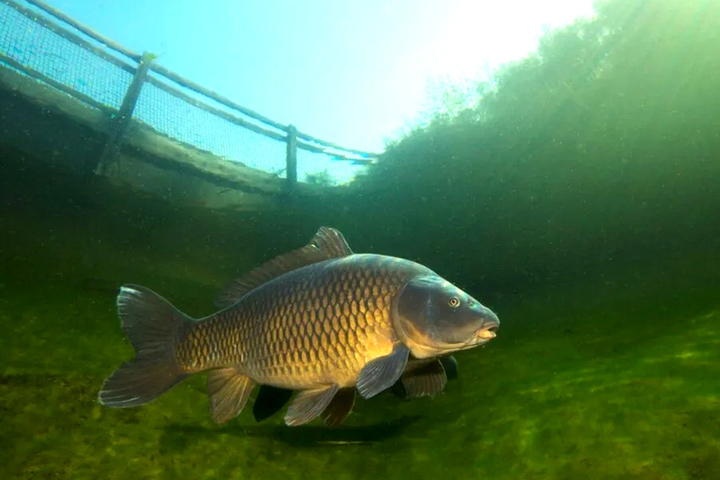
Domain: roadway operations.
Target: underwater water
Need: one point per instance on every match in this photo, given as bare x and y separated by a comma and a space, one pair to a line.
580, 201
606, 376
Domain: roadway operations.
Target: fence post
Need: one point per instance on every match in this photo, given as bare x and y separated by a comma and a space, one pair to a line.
118, 126
291, 158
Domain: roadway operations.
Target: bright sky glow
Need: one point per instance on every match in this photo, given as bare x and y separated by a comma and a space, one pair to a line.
351, 72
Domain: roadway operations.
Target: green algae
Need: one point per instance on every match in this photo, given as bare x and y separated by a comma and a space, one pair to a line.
613, 375
564, 393
590, 227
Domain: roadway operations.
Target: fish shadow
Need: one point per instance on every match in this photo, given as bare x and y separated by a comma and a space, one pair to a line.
177, 437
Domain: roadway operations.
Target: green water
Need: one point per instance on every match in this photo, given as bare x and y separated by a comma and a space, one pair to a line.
609, 376
579, 200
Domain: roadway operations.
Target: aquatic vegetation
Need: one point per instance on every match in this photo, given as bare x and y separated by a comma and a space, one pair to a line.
579, 197
599, 147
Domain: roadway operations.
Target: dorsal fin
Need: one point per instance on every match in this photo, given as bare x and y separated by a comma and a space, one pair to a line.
327, 243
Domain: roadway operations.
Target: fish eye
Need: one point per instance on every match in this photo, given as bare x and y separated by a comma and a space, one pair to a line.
454, 302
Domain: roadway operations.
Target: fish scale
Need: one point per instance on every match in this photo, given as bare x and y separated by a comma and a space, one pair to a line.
318, 328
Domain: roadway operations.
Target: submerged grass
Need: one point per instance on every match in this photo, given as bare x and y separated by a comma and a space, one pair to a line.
589, 226
609, 374
579, 201
598, 390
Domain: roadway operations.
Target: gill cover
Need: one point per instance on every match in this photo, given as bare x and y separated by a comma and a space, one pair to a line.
432, 316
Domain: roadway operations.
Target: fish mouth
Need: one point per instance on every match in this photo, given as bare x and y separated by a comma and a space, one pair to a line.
480, 337
485, 333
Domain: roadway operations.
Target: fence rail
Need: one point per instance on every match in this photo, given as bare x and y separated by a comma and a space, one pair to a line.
142, 71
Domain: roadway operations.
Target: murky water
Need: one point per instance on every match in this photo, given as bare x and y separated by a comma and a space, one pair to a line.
610, 376
579, 201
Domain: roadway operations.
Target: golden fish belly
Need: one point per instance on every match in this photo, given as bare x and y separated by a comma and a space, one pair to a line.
316, 359
313, 327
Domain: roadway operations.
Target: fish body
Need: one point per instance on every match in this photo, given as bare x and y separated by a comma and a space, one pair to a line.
314, 326
321, 320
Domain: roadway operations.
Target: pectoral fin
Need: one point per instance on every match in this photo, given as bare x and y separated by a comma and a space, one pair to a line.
308, 404
451, 367
229, 391
428, 380
381, 373
340, 407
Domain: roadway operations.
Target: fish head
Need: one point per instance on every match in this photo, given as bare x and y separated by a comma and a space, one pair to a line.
434, 317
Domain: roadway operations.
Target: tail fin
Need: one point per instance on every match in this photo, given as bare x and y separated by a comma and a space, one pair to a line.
153, 327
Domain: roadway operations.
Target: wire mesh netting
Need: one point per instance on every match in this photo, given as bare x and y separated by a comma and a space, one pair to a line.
187, 123
36, 47
178, 119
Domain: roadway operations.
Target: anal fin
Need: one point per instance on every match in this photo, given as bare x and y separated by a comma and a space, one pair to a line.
381, 373
308, 404
339, 408
229, 391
